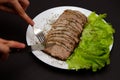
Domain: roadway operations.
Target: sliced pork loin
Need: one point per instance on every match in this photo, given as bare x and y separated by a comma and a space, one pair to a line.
65, 34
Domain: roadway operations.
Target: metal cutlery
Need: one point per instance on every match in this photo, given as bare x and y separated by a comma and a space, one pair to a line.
40, 46
39, 34
30, 48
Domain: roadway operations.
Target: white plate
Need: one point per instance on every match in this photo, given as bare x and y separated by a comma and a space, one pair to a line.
44, 21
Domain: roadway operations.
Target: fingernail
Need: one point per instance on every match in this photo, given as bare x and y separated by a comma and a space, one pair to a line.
23, 45
32, 23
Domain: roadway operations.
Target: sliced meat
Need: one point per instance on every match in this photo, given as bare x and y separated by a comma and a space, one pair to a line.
67, 29
68, 38
58, 52
82, 17
60, 44
65, 34
72, 15
72, 25
76, 39
64, 41
60, 23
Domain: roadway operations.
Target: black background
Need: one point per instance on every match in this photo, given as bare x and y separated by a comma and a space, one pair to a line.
25, 66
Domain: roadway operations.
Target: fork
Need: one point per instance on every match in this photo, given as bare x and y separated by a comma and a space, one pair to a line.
41, 37
39, 34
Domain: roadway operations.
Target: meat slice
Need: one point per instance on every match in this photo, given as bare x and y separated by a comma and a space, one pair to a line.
58, 52
68, 38
66, 29
73, 15
76, 39
64, 41
65, 34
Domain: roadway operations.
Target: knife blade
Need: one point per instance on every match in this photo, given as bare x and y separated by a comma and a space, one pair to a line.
30, 48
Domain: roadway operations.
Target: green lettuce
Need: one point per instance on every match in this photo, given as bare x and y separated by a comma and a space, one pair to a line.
93, 50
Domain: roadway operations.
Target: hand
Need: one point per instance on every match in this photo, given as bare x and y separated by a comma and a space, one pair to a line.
16, 6
5, 46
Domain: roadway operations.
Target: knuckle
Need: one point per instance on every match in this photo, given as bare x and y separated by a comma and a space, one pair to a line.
27, 3
12, 1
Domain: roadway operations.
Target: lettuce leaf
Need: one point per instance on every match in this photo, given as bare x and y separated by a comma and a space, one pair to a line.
93, 50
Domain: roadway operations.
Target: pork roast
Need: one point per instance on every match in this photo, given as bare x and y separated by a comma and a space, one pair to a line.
65, 34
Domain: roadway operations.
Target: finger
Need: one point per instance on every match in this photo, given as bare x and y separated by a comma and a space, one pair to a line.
3, 41
4, 48
4, 8
15, 44
12, 44
4, 51
22, 13
24, 4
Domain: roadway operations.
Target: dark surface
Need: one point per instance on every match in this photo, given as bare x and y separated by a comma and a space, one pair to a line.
25, 66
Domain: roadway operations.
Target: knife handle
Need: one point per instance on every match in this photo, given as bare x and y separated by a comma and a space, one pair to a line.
27, 49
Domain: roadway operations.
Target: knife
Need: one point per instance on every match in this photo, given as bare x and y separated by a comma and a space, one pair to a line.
30, 48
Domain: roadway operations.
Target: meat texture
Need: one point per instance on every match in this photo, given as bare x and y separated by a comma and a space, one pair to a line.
65, 34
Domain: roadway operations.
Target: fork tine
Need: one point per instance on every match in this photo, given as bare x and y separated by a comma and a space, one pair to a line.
39, 34
41, 37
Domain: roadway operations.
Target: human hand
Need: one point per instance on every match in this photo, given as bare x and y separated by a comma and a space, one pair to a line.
5, 46
16, 6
